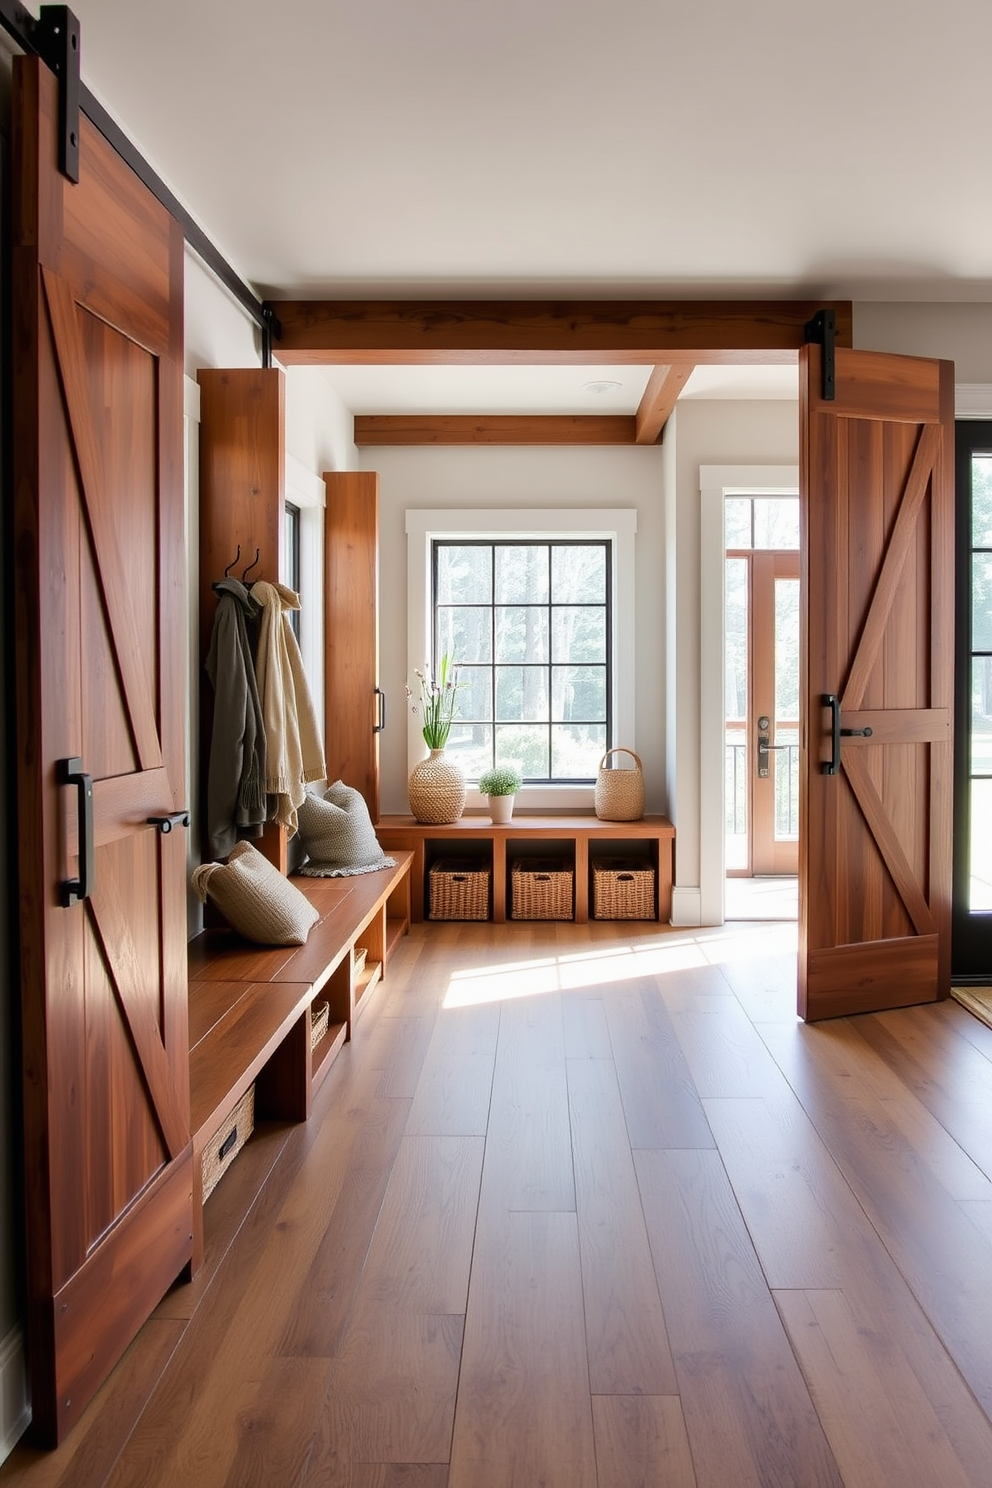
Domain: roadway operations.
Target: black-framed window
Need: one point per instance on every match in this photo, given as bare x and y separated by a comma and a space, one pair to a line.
529, 624
291, 557
972, 919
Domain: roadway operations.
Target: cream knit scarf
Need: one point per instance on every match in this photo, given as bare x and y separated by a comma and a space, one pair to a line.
294, 752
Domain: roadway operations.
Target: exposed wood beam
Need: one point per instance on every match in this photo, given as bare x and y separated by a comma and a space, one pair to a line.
660, 397
505, 332
438, 429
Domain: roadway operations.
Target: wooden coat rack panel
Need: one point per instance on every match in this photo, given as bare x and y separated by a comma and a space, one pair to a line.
242, 498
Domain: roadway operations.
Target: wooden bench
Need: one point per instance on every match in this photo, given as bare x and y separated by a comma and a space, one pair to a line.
250, 1005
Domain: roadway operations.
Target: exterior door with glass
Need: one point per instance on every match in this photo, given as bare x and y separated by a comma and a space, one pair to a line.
762, 673
773, 733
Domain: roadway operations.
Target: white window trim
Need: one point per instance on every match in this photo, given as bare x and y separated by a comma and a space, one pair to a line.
716, 484
618, 525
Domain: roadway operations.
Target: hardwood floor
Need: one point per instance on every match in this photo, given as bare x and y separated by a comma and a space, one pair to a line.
587, 1207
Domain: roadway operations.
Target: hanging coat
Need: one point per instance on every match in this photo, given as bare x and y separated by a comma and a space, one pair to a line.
294, 752
236, 767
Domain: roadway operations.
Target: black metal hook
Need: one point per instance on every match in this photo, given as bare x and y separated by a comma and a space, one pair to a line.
227, 571
244, 576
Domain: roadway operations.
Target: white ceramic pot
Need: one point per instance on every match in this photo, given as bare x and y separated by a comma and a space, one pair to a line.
500, 808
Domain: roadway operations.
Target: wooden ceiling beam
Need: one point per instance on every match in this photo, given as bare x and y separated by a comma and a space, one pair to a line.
442, 429
658, 400
536, 332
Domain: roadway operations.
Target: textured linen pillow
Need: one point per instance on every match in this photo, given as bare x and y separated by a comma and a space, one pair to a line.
337, 833
255, 898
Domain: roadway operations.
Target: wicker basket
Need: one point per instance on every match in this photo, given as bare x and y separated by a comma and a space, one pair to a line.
619, 794
224, 1146
622, 889
320, 1017
541, 889
459, 890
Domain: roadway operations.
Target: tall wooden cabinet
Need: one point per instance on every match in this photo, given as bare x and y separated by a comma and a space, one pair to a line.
242, 497
354, 706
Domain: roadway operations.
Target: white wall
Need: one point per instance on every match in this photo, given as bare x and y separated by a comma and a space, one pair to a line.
720, 432
511, 477
320, 431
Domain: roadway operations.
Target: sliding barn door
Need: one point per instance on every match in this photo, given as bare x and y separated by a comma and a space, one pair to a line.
877, 502
101, 717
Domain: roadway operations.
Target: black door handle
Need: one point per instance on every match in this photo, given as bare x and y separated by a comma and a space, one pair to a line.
380, 696
74, 890
832, 765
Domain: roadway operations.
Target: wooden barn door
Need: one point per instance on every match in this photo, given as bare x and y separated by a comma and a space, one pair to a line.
877, 507
100, 586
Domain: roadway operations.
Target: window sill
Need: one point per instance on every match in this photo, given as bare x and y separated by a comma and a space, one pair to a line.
539, 798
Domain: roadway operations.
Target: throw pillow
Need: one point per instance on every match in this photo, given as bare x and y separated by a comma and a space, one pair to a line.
337, 833
255, 898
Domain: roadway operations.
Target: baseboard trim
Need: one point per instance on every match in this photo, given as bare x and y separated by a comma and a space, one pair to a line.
15, 1409
687, 907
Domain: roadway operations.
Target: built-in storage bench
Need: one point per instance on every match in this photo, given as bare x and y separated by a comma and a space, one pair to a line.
577, 837
250, 1006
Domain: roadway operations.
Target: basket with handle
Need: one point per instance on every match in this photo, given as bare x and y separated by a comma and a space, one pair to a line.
619, 794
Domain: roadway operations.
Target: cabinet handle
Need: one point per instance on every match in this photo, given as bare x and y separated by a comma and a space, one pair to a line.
380, 698
74, 890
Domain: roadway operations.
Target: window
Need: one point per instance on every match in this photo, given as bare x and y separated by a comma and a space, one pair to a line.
291, 558
610, 533
529, 625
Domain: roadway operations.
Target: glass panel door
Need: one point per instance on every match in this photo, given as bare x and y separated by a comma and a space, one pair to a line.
738, 858
761, 685
775, 708
786, 758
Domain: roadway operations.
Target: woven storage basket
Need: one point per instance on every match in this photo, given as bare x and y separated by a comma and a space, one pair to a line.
320, 1017
459, 890
224, 1146
619, 794
622, 889
541, 889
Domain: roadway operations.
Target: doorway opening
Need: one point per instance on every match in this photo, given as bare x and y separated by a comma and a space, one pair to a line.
761, 701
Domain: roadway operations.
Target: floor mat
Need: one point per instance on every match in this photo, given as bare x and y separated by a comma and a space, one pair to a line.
977, 1000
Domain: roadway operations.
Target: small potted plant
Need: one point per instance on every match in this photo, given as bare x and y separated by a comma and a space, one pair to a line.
500, 785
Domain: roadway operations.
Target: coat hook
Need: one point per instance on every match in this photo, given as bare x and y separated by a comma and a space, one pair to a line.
227, 571
244, 576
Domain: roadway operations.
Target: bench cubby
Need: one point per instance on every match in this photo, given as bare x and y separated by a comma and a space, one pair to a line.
250, 1005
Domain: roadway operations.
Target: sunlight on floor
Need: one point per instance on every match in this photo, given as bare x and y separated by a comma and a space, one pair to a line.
762, 898
574, 970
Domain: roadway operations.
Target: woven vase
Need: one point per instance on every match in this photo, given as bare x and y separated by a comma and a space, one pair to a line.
436, 789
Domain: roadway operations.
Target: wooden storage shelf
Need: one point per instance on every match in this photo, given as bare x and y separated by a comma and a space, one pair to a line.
575, 834
249, 1005
324, 1053
365, 984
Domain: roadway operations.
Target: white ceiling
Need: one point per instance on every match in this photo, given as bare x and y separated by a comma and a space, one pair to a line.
537, 390
565, 148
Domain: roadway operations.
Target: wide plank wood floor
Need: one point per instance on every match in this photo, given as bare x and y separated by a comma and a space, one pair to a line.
587, 1207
